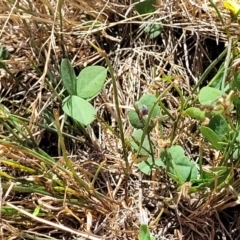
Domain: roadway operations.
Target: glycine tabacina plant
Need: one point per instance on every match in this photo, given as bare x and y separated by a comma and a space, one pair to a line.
81, 89
177, 165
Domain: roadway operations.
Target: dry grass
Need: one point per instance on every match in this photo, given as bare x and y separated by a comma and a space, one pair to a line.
37, 39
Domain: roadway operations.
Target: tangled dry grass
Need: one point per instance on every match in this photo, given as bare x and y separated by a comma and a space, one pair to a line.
38, 34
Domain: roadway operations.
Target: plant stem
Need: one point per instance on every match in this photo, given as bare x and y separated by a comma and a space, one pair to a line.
119, 120
151, 148
64, 152
147, 122
226, 64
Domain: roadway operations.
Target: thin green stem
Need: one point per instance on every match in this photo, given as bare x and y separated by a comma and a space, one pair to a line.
226, 64
217, 11
151, 148
119, 120
165, 110
200, 160
64, 152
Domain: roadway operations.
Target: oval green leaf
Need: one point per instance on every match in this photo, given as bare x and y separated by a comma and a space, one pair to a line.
219, 125
68, 76
208, 95
134, 119
212, 137
179, 166
90, 81
79, 109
